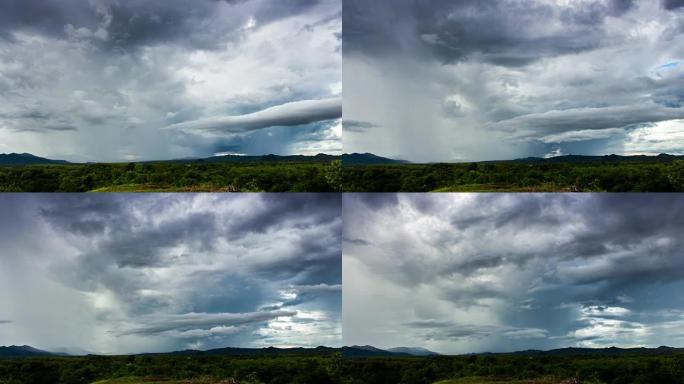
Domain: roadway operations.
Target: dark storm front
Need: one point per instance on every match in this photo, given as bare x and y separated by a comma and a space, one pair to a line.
514, 288
88, 88
552, 91
200, 288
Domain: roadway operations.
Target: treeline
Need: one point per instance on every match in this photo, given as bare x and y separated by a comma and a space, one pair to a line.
174, 176
647, 176
246, 370
666, 369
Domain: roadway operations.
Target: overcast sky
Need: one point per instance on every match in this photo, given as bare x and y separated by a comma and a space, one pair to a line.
429, 80
460, 273
124, 273
112, 80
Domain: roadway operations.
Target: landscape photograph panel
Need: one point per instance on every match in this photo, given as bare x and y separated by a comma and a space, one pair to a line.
538, 95
173, 288
513, 288
208, 95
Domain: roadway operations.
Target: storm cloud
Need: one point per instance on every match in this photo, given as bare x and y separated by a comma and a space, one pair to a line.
469, 80
461, 273
99, 80
289, 114
131, 273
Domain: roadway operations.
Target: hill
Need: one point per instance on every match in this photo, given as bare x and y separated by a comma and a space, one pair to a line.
368, 159
239, 159
269, 351
415, 351
611, 351
371, 351
26, 159
22, 351
30, 159
663, 157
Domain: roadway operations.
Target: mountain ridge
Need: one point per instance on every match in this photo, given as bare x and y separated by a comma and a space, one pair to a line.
348, 159
23, 351
361, 351
27, 159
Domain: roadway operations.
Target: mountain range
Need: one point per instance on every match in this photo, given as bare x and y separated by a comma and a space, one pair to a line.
23, 351
355, 351
26, 159
350, 159
663, 157
18, 159
362, 351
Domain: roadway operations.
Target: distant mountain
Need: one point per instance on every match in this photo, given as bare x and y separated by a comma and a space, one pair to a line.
22, 351
321, 157
415, 351
368, 351
663, 157
29, 159
28, 351
269, 351
367, 159
611, 351
371, 351
26, 159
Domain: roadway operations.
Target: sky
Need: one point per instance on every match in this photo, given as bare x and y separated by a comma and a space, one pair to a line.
122, 273
462, 273
112, 80
470, 80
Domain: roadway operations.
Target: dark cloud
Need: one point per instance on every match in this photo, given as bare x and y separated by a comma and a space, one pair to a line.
290, 114
137, 23
192, 321
673, 4
446, 330
357, 126
553, 122
452, 31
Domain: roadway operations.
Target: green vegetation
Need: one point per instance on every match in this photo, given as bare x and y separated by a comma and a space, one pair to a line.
666, 368
592, 176
174, 176
170, 369
484, 380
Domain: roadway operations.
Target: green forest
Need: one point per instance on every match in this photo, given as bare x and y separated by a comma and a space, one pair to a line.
599, 176
512, 369
174, 177
169, 369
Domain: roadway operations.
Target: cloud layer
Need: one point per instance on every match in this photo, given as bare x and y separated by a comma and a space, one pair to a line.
124, 273
469, 80
463, 273
98, 80
289, 114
